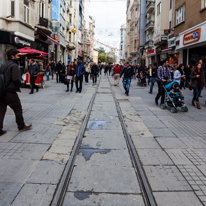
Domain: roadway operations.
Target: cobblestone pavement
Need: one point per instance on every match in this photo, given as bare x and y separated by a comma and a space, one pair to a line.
170, 146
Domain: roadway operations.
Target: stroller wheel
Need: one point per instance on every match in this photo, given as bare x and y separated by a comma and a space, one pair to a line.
174, 110
162, 106
184, 109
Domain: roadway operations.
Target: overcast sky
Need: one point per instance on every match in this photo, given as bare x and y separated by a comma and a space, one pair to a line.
109, 15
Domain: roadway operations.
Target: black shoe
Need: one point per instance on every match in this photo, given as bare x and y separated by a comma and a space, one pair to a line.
37, 89
150, 92
2, 132
26, 127
71, 90
67, 90
156, 101
31, 93
200, 96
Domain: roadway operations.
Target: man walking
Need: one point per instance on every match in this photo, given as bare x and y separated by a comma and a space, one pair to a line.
153, 76
117, 71
163, 75
12, 83
94, 72
128, 73
34, 69
80, 70
58, 71
52, 65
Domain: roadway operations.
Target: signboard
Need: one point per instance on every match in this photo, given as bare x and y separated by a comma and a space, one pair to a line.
172, 42
166, 31
151, 51
192, 36
17, 40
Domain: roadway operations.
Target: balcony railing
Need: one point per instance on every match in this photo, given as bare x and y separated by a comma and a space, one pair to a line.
149, 25
150, 6
43, 22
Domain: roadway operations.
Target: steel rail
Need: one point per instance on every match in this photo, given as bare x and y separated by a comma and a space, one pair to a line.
144, 185
64, 182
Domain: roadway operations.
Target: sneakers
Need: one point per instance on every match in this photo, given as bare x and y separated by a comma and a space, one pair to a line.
150, 92
2, 132
77, 91
26, 127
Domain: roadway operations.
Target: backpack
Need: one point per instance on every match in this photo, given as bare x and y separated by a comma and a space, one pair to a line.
2, 80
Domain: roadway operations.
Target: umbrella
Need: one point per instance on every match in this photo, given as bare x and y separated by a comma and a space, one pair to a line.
27, 50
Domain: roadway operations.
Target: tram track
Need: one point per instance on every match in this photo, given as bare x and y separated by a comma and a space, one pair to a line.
146, 193
64, 182
144, 185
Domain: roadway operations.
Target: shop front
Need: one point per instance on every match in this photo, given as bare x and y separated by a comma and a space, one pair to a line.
193, 44
150, 56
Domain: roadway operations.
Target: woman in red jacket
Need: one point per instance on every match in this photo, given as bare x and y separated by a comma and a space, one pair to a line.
117, 70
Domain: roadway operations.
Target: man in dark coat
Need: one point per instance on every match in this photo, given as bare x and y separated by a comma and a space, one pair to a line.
34, 69
58, 70
94, 72
12, 86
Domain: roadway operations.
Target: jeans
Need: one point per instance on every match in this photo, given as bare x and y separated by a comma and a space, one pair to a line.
47, 75
79, 80
32, 82
197, 92
53, 72
86, 77
12, 100
126, 84
161, 92
153, 80
94, 78
58, 77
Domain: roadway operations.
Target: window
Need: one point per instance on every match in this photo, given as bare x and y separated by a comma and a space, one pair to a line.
70, 36
135, 44
159, 8
171, 4
70, 2
203, 4
12, 8
170, 26
70, 18
42, 9
180, 15
26, 11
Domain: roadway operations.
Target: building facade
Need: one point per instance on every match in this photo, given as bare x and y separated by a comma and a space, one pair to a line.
25, 23
190, 31
122, 43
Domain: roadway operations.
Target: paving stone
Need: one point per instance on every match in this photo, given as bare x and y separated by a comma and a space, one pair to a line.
178, 157
154, 124
194, 142
8, 192
16, 171
83, 199
166, 178
92, 178
176, 198
145, 142
47, 172
162, 133
35, 194
154, 157
170, 143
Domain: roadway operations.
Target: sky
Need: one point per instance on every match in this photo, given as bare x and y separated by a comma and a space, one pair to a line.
109, 15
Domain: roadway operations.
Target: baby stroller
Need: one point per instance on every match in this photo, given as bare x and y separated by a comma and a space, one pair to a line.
173, 100
141, 80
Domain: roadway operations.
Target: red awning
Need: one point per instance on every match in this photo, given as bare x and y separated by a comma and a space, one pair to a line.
49, 38
166, 50
27, 50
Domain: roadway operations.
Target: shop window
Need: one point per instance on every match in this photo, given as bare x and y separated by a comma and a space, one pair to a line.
180, 15
42, 9
26, 11
203, 4
12, 8
159, 9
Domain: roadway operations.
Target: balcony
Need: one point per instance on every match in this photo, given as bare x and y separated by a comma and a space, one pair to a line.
149, 26
149, 44
45, 25
133, 51
150, 7
70, 45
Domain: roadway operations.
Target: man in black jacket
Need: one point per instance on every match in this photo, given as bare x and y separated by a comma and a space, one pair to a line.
53, 67
94, 72
12, 86
34, 69
58, 71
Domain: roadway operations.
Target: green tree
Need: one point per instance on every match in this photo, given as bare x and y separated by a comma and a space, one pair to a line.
102, 58
101, 50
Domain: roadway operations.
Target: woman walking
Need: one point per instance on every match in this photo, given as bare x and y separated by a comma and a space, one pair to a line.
179, 75
153, 76
70, 76
47, 72
198, 83
187, 73
88, 71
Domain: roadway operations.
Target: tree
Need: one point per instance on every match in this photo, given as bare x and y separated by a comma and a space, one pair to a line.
101, 50
102, 58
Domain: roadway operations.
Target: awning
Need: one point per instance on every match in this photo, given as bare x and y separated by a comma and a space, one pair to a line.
29, 51
49, 38
165, 51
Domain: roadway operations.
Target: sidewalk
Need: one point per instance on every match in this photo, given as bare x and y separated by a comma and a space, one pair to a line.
32, 162
171, 147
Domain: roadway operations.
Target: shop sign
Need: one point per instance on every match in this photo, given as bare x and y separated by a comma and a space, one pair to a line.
171, 42
160, 38
151, 51
192, 36
22, 42
163, 38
